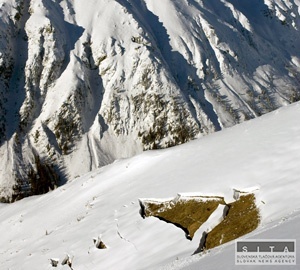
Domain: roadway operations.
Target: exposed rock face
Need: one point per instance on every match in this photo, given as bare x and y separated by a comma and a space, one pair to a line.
85, 83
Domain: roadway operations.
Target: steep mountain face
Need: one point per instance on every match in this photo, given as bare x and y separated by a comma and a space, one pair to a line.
83, 83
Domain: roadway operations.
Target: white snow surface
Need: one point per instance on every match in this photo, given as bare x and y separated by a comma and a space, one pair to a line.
261, 155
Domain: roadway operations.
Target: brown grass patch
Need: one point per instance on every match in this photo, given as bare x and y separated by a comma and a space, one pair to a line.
242, 218
188, 214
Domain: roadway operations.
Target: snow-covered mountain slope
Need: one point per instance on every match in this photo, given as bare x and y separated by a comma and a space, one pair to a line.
261, 155
83, 83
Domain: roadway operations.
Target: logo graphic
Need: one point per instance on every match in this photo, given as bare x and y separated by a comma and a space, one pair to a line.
265, 252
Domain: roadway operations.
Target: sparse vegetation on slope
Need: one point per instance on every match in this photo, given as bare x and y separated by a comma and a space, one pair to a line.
41, 177
241, 217
188, 214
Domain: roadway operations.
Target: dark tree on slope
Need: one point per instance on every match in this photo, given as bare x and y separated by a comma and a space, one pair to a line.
43, 179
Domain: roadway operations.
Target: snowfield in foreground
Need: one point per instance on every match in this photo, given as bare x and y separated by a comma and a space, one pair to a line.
261, 155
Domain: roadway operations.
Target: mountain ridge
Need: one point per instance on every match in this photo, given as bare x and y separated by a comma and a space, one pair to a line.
103, 80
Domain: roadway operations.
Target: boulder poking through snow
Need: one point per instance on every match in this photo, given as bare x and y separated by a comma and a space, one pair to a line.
54, 262
99, 243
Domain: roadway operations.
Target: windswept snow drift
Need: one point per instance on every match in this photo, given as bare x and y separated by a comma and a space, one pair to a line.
262, 155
